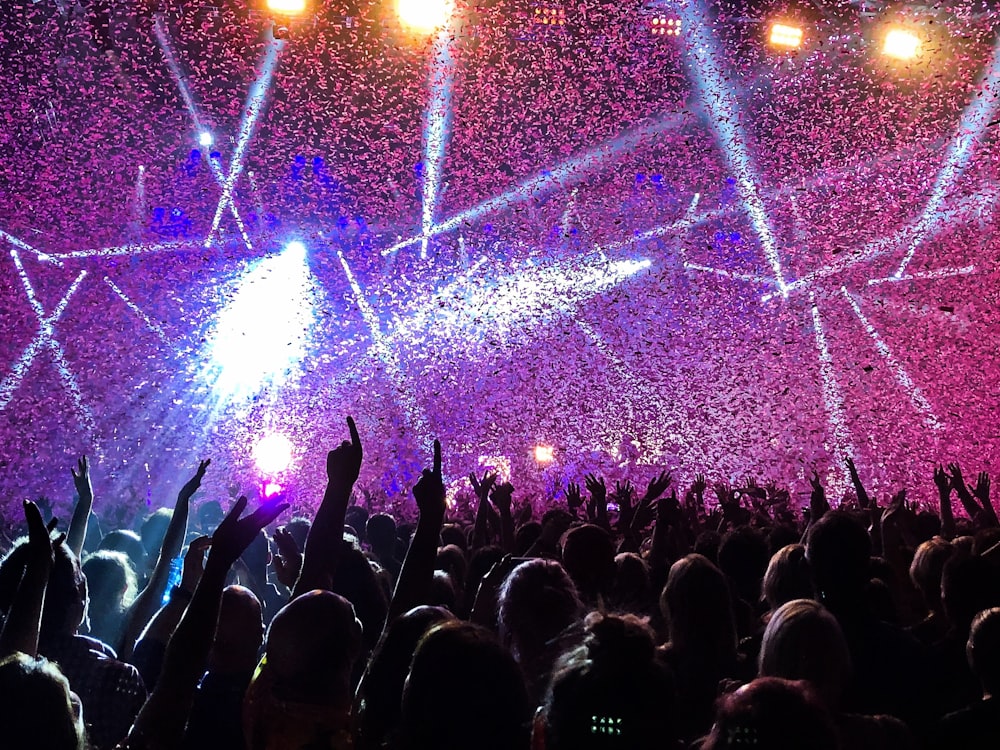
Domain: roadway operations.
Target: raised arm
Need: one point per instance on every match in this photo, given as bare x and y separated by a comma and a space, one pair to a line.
77, 533
859, 489
20, 629
417, 572
324, 544
149, 599
943, 483
161, 721
502, 498
482, 487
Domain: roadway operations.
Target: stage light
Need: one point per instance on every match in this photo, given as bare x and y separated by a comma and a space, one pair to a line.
783, 35
663, 26
550, 16
273, 453
205, 138
287, 7
263, 333
424, 16
544, 454
901, 44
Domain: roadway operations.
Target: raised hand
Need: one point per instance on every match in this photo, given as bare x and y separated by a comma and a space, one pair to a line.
942, 480
658, 485
958, 481
596, 487
502, 497
194, 483
699, 485
41, 545
483, 486
817, 498
287, 560
194, 563
81, 480
429, 489
343, 463
982, 489
234, 534
623, 493
574, 499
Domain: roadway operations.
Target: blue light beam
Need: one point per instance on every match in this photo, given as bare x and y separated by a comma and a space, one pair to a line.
563, 176
251, 113
705, 63
437, 128
971, 128
917, 397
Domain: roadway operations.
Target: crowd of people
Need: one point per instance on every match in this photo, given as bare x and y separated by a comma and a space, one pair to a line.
625, 619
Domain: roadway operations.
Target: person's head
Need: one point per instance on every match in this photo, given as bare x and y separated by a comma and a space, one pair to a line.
983, 650
772, 714
787, 577
697, 608
464, 690
66, 595
442, 591
381, 532
357, 518
311, 647
357, 581
839, 549
298, 527
538, 603
238, 634
480, 563
588, 555
382, 687
968, 586
153, 529
38, 711
526, 536
927, 568
451, 560
609, 693
743, 557
210, 515
257, 556
803, 641
453, 535
129, 543
110, 581
632, 590
707, 545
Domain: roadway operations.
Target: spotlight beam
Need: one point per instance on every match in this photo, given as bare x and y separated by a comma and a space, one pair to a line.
42, 339
386, 354
832, 398
917, 398
730, 274
705, 66
564, 175
940, 273
139, 248
47, 338
437, 129
139, 313
251, 112
163, 40
953, 217
971, 129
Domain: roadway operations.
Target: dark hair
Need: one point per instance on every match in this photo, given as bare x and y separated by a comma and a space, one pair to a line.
381, 689
154, 528
464, 690
983, 649
128, 542
772, 714
611, 691
839, 550
37, 709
